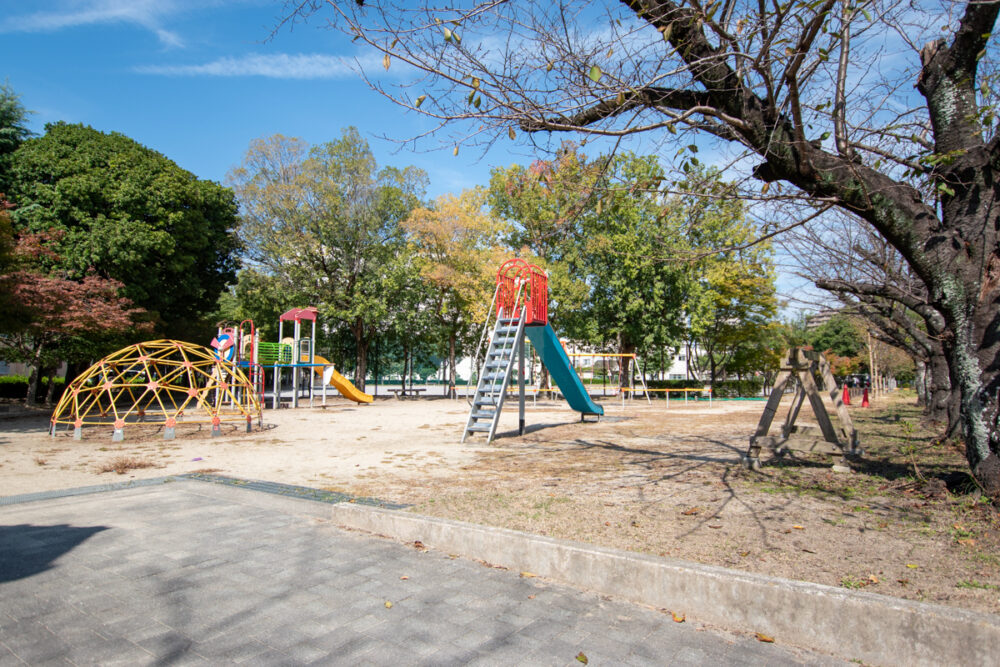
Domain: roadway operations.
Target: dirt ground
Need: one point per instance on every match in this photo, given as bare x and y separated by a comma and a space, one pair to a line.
907, 521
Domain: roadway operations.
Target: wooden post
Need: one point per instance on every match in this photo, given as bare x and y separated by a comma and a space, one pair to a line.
813, 374
793, 411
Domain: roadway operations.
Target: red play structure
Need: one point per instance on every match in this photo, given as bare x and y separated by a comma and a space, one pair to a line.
516, 277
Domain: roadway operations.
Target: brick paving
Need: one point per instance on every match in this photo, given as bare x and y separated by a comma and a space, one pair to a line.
193, 573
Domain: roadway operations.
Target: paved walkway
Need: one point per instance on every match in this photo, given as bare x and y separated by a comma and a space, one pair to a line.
190, 572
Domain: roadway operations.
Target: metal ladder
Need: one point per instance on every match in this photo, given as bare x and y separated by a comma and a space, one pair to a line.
498, 367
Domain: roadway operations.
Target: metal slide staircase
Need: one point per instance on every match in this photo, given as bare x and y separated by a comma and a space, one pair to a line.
498, 368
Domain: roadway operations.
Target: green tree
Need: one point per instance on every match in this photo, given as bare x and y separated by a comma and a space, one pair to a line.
635, 293
839, 335
326, 222
256, 296
759, 354
129, 214
731, 298
13, 130
412, 325
459, 248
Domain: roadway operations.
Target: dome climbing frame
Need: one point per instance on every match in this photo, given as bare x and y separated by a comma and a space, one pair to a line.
166, 381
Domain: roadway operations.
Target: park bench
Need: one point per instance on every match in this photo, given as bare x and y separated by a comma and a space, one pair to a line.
403, 393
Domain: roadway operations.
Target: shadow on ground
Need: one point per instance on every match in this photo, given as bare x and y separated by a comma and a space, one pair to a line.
27, 550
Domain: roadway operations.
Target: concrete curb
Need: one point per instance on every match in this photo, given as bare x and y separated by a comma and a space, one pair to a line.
852, 625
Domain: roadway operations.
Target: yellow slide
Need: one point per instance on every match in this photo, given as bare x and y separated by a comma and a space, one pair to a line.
339, 382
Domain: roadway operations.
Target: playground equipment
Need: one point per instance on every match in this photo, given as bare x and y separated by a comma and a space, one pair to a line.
522, 307
813, 373
166, 381
342, 384
242, 344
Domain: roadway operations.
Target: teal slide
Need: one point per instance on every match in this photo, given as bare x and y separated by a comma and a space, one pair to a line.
551, 351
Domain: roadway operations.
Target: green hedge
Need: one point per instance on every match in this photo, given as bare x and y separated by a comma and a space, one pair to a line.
16, 386
675, 384
738, 388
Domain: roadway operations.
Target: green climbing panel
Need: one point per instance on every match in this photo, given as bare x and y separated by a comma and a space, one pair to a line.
274, 353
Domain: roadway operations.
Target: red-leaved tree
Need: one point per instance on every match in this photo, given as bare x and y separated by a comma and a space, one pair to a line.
43, 312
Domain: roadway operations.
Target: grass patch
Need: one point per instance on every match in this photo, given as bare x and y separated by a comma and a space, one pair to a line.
972, 583
122, 464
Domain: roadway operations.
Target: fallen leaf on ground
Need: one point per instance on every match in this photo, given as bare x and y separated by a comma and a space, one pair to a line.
967, 542
528, 575
531, 597
689, 512
388, 605
582, 658
911, 566
761, 637
797, 527
678, 618
872, 579
717, 525
404, 578
744, 554
418, 545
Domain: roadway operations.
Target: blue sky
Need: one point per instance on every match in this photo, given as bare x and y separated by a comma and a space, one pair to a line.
197, 80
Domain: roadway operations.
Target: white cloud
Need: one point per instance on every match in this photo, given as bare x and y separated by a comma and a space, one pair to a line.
275, 66
147, 14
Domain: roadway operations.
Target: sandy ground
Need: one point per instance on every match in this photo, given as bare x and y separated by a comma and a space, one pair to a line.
663, 481
338, 444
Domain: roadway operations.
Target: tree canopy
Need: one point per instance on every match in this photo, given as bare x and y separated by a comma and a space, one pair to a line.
126, 213
326, 221
635, 298
13, 130
459, 247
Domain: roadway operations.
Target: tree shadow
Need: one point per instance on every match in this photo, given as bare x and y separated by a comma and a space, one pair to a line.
38, 423
533, 428
27, 550
528, 429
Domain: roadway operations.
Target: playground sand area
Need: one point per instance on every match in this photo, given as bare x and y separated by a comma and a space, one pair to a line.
662, 481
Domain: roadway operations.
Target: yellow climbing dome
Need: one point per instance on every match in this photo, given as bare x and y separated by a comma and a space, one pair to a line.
161, 380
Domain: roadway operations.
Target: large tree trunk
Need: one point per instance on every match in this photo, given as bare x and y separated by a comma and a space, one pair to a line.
978, 379
959, 259
975, 364
34, 375
939, 394
50, 391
